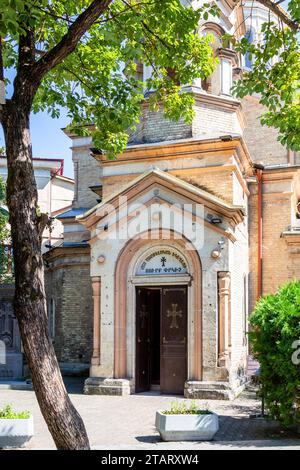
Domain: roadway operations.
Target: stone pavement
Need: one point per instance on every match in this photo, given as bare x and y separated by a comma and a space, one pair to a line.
128, 422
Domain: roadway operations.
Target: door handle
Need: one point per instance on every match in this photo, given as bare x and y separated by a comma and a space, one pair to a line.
164, 340
183, 341
139, 340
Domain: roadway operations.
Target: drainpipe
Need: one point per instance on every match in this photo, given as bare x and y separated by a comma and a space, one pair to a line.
259, 175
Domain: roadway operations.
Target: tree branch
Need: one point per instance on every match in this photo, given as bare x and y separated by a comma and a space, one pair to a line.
1, 62
281, 13
53, 15
26, 48
146, 27
70, 40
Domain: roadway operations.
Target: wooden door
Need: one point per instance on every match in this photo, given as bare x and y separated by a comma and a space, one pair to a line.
143, 325
173, 367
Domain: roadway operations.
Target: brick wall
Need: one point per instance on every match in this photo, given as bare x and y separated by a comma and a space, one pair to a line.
113, 184
68, 282
261, 140
209, 120
88, 173
218, 183
280, 262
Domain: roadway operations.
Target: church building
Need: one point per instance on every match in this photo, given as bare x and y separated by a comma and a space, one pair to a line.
167, 248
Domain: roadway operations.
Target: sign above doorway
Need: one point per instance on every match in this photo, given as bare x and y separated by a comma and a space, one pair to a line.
162, 261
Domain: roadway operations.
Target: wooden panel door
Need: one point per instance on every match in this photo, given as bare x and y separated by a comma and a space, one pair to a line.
173, 339
142, 340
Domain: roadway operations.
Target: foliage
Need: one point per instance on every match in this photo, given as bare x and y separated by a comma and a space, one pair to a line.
275, 337
4, 236
8, 413
275, 77
97, 82
182, 408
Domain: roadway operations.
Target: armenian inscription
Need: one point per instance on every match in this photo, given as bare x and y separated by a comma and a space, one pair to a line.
162, 262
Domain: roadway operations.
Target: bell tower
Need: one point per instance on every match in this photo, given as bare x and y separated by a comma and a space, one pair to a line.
217, 113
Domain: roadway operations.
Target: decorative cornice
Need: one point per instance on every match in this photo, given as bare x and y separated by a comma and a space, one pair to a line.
233, 146
292, 237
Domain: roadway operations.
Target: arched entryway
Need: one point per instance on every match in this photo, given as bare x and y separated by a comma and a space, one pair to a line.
161, 353
185, 285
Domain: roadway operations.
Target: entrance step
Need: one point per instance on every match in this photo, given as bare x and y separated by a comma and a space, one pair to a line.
106, 386
155, 388
213, 390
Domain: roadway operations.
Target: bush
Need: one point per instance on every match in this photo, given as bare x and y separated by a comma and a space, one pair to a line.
181, 408
8, 413
274, 336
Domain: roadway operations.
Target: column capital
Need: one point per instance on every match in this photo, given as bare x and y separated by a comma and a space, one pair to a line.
224, 278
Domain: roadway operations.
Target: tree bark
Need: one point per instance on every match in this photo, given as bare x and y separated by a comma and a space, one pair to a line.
64, 422
280, 12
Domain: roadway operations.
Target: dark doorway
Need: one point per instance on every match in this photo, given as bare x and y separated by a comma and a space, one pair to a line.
161, 338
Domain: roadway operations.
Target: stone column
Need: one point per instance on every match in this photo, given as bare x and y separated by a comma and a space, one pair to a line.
96, 286
224, 329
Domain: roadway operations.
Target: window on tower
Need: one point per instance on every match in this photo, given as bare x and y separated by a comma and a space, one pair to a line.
250, 38
226, 76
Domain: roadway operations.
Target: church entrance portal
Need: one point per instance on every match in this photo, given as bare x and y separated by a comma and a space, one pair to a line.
161, 338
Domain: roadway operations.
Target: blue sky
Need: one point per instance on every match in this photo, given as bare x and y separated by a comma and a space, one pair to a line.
49, 141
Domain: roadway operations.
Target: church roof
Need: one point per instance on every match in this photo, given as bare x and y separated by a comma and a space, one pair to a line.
72, 213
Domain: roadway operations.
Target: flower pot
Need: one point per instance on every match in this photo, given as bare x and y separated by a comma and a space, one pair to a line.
187, 427
15, 432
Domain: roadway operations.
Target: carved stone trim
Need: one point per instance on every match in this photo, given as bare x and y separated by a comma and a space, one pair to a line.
224, 323
96, 286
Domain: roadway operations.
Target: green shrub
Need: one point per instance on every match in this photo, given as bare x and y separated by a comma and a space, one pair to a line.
8, 413
181, 408
275, 331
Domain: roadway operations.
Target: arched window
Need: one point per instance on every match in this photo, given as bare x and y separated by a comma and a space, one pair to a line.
250, 38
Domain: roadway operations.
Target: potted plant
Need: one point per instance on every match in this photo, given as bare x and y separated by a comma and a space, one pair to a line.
183, 423
16, 428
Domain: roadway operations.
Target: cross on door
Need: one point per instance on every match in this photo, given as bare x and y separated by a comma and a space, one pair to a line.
174, 313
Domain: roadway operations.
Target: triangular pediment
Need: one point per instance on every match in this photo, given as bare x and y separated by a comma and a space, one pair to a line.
160, 181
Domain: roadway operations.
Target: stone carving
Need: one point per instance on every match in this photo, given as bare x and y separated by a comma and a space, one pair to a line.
11, 364
9, 331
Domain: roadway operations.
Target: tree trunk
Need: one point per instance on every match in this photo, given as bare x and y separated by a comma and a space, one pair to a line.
64, 422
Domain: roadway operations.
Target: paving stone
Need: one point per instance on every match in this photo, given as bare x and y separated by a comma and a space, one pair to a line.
128, 422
